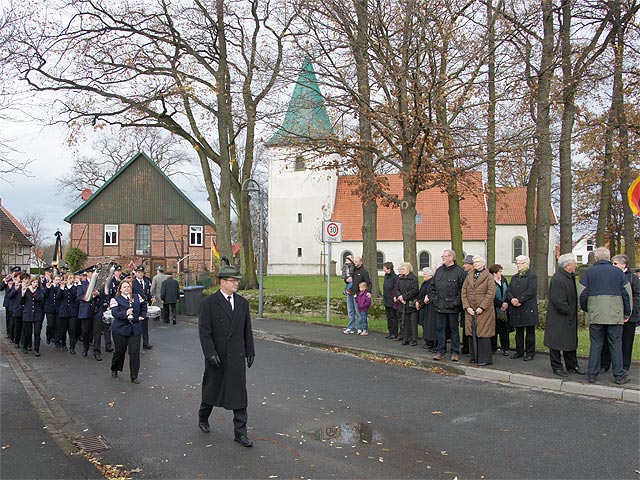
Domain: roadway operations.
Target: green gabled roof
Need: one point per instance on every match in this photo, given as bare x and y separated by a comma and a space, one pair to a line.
139, 193
306, 118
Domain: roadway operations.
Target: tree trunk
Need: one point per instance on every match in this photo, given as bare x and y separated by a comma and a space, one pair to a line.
544, 153
568, 118
369, 206
491, 137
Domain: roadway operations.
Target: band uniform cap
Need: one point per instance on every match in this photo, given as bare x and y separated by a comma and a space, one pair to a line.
90, 269
15, 269
468, 259
160, 268
140, 268
118, 267
229, 272
48, 269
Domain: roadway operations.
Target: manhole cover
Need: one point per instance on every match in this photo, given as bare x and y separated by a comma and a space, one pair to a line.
92, 444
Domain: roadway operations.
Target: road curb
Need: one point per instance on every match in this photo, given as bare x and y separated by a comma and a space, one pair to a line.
505, 377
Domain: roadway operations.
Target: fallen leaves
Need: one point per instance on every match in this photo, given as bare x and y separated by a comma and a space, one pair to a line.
436, 412
112, 472
111, 404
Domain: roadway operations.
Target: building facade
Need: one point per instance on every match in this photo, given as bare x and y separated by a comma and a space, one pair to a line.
15, 246
139, 215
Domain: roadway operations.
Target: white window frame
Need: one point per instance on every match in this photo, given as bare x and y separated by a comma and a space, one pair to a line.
110, 229
513, 247
197, 231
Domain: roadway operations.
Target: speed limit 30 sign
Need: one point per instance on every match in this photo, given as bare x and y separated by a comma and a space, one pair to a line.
331, 231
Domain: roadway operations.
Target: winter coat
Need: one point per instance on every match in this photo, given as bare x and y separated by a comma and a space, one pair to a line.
502, 316
363, 300
524, 287
561, 330
480, 292
121, 323
51, 299
156, 287
228, 334
15, 300
605, 293
33, 303
389, 288
360, 274
446, 287
170, 290
408, 288
427, 315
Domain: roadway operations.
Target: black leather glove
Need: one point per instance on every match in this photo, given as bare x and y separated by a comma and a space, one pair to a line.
250, 361
214, 360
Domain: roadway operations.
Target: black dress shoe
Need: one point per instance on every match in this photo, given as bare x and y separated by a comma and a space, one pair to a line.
390, 336
72, 351
147, 347
204, 426
505, 353
84, 353
405, 343
174, 322
560, 373
517, 355
108, 349
114, 373
165, 321
484, 364
244, 441
528, 357
577, 370
135, 380
97, 356
36, 353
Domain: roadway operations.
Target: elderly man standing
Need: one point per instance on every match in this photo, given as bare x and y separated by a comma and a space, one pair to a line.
445, 294
606, 296
561, 331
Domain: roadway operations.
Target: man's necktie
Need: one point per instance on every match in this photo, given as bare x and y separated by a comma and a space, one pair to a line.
230, 302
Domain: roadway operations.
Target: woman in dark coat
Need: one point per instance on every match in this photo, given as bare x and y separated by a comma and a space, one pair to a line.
522, 296
503, 329
128, 311
427, 314
407, 295
32, 315
561, 330
478, 292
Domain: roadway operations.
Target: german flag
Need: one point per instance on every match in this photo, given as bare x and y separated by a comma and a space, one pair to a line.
214, 250
634, 196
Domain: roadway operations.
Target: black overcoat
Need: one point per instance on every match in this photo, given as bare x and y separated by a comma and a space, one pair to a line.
427, 316
561, 331
228, 334
524, 287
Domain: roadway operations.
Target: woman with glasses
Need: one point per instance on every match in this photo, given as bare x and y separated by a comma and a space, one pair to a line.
522, 297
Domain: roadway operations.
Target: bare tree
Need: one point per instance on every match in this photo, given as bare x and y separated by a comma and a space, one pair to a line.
113, 151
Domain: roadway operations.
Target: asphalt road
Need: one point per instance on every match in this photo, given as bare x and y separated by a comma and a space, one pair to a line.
320, 414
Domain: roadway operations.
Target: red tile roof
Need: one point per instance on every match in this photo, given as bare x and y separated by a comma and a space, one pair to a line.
511, 206
432, 204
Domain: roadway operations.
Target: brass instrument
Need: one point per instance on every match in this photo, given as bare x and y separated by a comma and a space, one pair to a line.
99, 280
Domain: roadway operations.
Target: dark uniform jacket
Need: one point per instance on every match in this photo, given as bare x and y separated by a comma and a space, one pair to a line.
143, 291
15, 300
51, 299
561, 330
524, 287
85, 309
121, 323
228, 334
68, 302
33, 303
446, 287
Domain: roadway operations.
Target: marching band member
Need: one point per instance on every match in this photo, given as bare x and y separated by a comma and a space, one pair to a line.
141, 285
15, 298
68, 315
33, 308
51, 307
129, 311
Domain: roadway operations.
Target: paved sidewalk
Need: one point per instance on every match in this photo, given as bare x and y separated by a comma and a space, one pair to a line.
536, 373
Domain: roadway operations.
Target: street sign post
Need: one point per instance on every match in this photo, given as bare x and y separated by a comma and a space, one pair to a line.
331, 233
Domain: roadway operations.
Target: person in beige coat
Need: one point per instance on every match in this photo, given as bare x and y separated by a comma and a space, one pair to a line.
478, 291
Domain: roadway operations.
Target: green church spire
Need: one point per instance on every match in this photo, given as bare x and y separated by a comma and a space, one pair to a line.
306, 119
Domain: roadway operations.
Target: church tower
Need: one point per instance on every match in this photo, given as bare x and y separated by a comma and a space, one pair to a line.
301, 194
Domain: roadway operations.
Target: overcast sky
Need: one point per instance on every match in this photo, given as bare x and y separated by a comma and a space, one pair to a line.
51, 158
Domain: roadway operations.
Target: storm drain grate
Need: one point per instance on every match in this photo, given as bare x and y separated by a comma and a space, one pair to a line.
92, 444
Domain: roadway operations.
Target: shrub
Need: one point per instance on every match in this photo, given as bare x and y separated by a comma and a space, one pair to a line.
75, 258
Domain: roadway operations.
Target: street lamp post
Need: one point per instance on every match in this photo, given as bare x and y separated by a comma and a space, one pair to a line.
250, 185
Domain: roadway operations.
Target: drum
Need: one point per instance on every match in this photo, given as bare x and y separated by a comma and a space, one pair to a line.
153, 311
107, 317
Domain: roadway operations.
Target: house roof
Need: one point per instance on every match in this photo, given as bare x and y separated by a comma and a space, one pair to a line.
306, 118
431, 204
138, 193
10, 227
511, 205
